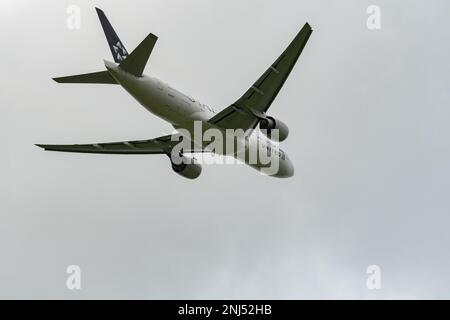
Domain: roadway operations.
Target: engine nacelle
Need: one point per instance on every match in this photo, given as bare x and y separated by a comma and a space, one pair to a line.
187, 167
268, 124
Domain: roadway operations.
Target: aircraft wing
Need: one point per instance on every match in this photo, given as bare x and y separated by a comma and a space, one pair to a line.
161, 145
245, 112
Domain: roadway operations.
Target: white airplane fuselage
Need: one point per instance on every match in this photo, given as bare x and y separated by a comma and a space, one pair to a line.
182, 111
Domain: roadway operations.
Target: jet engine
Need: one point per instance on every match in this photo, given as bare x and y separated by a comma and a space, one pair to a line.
268, 124
187, 167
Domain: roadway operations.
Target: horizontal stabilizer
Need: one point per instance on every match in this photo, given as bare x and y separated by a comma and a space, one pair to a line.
137, 60
102, 77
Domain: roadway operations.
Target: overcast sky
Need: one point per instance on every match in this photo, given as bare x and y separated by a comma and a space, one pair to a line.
368, 112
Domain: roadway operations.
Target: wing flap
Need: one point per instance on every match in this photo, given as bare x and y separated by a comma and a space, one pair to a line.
161, 145
106, 148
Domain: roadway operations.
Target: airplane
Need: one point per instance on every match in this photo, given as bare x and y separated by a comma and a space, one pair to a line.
183, 112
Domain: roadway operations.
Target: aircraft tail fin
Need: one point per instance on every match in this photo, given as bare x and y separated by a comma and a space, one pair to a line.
133, 63
102, 77
118, 50
137, 60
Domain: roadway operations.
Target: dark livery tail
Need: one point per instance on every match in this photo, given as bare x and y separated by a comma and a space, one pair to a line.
117, 48
133, 63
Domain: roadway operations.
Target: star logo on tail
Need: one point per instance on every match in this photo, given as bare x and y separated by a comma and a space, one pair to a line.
120, 51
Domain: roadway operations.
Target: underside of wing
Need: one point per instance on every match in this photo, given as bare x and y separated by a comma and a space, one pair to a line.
246, 112
161, 145
102, 77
